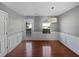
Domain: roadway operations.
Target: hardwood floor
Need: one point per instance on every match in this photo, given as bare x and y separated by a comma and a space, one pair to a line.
41, 48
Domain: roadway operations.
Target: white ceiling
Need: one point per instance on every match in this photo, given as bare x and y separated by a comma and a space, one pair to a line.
40, 8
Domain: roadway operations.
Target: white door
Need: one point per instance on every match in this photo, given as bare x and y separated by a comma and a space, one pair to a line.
3, 50
2, 29
3, 39
0, 47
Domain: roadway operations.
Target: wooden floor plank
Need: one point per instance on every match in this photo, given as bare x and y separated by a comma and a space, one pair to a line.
57, 49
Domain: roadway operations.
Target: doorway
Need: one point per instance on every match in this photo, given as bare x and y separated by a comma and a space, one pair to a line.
28, 29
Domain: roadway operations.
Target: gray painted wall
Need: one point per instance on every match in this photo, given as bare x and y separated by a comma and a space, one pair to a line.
38, 20
55, 27
37, 24
69, 21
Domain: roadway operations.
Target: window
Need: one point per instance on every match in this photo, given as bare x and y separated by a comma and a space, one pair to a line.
28, 25
46, 27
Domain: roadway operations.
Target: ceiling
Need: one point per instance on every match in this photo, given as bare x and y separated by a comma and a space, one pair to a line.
41, 8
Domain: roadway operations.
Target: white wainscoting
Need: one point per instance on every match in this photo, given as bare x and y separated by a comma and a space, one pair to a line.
72, 42
41, 36
14, 40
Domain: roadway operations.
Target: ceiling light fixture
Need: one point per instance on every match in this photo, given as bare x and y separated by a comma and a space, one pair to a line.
52, 7
52, 20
